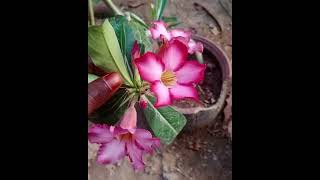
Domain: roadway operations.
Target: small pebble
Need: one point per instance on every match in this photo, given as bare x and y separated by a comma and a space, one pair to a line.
214, 157
204, 165
212, 100
211, 66
118, 163
215, 31
179, 165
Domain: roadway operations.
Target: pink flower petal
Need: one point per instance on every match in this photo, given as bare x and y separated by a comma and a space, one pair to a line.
185, 41
135, 155
135, 52
194, 47
173, 55
145, 141
184, 91
99, 134
159, 28
150, 68
148, 145
142, 133
162, 94
180, 33
191, 72
119, 131
129, 119
111, 152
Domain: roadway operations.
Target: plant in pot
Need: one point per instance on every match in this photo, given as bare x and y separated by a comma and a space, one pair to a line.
160, 67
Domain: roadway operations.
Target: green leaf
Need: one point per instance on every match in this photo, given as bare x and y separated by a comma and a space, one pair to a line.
111, 111
92, 77
127, 32
96, 1
166, 123
145, 44
140, 34
159, 8
171, 21
126, 39
105, 52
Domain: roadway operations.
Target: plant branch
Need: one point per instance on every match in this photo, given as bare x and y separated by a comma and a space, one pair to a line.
114, 8
91, 13
138, 19
199, 57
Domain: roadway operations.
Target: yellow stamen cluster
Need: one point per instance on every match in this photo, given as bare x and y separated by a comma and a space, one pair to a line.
168, 78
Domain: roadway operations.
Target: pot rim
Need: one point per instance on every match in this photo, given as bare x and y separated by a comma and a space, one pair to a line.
225, 65
217, 51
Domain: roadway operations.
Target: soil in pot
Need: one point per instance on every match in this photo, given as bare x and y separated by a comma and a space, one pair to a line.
210, 88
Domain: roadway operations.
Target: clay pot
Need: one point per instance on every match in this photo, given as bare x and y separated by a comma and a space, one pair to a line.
201, 116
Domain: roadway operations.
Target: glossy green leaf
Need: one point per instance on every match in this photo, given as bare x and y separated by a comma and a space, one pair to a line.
92, 77
165, 122
126, 39
105, 52
140, 34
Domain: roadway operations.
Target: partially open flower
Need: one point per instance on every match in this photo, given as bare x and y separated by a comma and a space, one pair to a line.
143, 104
170, 74
194, 46
135, 52
159, 30
118, 141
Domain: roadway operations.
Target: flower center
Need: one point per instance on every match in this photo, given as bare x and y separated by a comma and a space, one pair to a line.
168, 78
126, 137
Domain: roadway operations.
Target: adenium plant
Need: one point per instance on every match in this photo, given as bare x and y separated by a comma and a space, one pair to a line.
153, 80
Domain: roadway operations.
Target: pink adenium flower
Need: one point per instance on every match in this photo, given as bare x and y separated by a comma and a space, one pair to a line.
194, 47
159, 30
170, 74
118, 141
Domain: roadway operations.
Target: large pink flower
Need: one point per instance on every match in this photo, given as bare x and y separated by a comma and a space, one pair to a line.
119, 141
170, 74
159, 30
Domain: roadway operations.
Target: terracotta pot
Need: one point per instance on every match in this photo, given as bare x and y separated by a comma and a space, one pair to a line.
201, 116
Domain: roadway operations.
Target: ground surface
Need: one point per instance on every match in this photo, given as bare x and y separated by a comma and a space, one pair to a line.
203, 154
